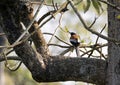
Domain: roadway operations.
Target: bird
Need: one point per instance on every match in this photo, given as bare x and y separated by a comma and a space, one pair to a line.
74, 41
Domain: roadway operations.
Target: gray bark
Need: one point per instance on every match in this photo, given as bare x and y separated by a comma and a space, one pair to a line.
2, 74
3, 42
113, 71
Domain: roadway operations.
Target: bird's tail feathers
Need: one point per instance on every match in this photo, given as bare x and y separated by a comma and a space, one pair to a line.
77, 51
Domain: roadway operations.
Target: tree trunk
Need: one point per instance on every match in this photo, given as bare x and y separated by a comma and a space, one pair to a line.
1, 74
3, 42
113, 71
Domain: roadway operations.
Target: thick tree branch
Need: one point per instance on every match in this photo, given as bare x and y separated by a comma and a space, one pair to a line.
39, 41
62, 68
36, 34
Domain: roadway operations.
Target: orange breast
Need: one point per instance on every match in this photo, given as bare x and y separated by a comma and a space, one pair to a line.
74, 37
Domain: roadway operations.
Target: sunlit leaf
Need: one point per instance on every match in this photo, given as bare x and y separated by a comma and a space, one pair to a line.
87, 6
66, 29
96, 5
100, 5
82, 41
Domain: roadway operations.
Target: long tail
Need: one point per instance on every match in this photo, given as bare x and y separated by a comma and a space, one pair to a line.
77, 51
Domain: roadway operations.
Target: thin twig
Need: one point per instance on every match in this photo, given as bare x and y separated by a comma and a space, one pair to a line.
10, 58
101, 54
93, 23
8, 52
110, 4
96, 42
100, 46
45, 15
53, 4
87, 53
15, 68
100, 33
55, 30
66, 51
45, 21
59, 45
58, 38
62, 7
7, 64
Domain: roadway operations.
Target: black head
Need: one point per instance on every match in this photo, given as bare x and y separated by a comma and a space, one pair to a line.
72, 33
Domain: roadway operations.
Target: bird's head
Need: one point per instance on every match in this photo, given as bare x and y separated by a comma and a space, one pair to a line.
72, 33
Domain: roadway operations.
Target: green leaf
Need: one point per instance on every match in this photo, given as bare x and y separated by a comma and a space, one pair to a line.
118, 16
86, 7
96, 5
66, 29
100, 5
82, 41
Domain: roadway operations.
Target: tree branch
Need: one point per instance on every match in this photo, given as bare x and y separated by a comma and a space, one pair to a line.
110, 4
39, 41
10, 58
62, 68
58, 38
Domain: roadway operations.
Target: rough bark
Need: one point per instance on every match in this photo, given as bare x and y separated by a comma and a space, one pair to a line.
39, 41
26, 16
113, 72
3, 42
2, 78
77, 69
